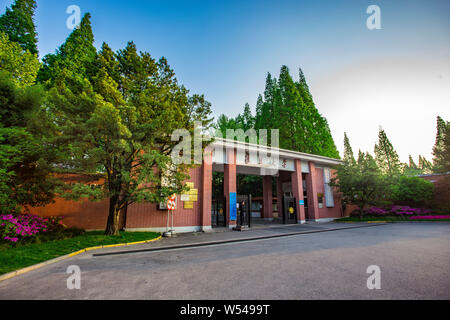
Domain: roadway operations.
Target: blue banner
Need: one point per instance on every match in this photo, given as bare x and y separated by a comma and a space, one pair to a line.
233, 206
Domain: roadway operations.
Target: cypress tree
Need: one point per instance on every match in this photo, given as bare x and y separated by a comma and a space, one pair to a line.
75, 58
294, 130
386, 157
441, 147
412, 164
17, 22
348, 152
425, 166
289, 107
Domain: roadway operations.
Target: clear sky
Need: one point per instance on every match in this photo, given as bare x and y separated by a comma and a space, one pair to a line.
397, 77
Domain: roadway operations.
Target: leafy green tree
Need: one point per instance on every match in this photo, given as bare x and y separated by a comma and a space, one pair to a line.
17, 22
411, 191
386, 157
441, 149
25, 159
224, 123
116, 115
361, 183
22, 65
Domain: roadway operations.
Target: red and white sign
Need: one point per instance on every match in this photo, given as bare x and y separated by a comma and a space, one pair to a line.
172, 203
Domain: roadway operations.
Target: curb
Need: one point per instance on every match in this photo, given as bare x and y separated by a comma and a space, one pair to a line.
43, 264
220, 242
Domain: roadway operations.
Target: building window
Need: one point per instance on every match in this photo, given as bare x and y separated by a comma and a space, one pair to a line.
328, 190
320, 196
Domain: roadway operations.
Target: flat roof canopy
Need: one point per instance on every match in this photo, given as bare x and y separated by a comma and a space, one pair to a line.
253, 159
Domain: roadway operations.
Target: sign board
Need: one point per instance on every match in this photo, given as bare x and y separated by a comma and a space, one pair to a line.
172, 203
302, 202
189, 205
190, 197
185, 197
233, 206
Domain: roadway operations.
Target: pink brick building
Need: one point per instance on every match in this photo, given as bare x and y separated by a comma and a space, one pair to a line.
302, 193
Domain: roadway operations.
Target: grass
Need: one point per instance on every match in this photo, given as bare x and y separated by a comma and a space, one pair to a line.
15, 258
384, 219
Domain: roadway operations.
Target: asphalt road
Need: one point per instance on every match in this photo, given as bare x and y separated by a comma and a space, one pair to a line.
414, 259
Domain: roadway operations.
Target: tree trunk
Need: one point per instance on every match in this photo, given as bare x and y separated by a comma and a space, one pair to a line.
112, 227
125, 214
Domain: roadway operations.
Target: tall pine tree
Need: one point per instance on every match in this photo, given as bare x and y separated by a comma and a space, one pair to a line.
75, 58
441, 148
17, 22
289, 107
348, 152
386, 157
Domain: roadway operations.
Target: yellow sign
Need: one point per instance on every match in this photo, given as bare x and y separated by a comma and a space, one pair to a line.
291, 210
190, 196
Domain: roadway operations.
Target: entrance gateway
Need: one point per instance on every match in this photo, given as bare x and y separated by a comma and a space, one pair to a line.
302, 181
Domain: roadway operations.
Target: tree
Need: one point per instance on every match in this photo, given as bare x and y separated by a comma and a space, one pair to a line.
22, 65
348, 152
386, 157
411, 169
223, 124
425, 166
74, 59
441, 149
412, 191
289, 107
361, 183
25, 159
118, 121
17, 22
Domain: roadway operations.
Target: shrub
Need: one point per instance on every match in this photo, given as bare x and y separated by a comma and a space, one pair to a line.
406, 210
397, 211
26, 227
412, 191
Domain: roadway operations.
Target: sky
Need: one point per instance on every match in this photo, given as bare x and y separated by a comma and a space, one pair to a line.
396, 77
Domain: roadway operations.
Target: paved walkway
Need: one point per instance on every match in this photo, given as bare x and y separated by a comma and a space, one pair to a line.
227, 235
413, 258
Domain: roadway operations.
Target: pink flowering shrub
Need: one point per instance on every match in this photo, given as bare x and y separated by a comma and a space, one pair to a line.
397, 211
376, 212
405, 210
16, 228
